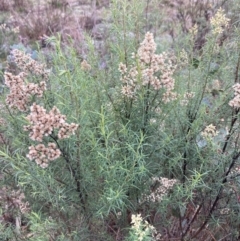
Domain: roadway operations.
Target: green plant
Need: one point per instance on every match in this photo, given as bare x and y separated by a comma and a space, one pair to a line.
8, 35
154, 133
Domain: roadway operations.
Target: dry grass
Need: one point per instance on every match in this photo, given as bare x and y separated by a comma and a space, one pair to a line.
39, 19
4, 5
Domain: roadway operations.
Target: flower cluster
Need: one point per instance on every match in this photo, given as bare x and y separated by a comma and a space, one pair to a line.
163, 185
225, 211
147, 49
129, 80
235, 171
20, 92
43, 123
13, 200
28, 64
183, 58
209, 131
219, 22
85, 66
235, 102
141, 229
186, 97
43, 154
149, 64
193, 30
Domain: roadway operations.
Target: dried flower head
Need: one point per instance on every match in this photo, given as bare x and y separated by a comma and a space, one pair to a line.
152, 70
189, 95
235, 102
235, 171
42, 155
128, 91
225, 211
162, 186
147, 48
21, 91
193, 30
122, 68
183, 58
85, 66
141, 229
209, 131
28, 64
66, 130
13, 201
186, 97
43, 123
18, 96
219, 22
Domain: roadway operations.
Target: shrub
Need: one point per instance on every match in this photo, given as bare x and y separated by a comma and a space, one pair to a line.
152, 135
37, 19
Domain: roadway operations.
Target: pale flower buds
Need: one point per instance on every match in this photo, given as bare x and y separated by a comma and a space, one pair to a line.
43, 123
43, 154
235, 102
150, 65
219, 22
209, 131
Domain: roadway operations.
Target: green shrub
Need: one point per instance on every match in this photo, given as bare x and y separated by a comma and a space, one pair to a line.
153, 133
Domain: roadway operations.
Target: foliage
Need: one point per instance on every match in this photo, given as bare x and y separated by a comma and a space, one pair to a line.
90, 151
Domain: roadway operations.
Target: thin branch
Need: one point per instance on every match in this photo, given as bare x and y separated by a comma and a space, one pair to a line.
193, 219
71, 170
218, 196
